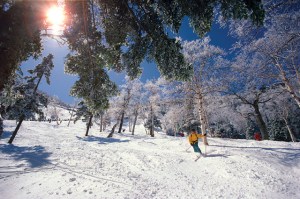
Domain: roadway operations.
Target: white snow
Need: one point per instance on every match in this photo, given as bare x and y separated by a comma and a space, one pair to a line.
61, 112
50, 161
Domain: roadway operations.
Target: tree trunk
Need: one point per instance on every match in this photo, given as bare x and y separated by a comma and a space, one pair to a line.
71, 116
293, 137
121, 122
202, 117
16, 130
152, 123
58, 121
38, 83
113, 130
292, 92
206, 121
88, 126
134, 123
287, 83
129, 124
1, 126
101, 122
261, 123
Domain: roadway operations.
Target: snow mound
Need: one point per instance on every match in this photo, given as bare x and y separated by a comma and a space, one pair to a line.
51, 161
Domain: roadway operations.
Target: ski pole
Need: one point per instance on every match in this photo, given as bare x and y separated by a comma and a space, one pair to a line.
188, 148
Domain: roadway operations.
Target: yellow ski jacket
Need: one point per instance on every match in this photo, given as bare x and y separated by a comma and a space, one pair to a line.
193, 137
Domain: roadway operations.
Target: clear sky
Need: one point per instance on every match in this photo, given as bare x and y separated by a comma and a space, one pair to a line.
61, 82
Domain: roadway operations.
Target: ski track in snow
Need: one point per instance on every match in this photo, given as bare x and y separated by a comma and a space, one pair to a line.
50, 161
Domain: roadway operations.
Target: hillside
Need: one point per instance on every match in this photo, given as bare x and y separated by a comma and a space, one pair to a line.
57, 109
50, 161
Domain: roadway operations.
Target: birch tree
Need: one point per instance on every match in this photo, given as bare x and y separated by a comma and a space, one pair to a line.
205, 59
135, 103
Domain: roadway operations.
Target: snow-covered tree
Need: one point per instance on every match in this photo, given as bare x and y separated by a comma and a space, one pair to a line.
72, 111
152, 104
135, 104
22, 99
54, 112
276, 45
283, 115
123, 100
206, 60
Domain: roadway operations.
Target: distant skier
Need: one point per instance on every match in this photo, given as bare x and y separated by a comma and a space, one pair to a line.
257, 136
193, 139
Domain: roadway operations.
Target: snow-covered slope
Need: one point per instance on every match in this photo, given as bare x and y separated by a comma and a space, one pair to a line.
53, 111
57, 109
50, 161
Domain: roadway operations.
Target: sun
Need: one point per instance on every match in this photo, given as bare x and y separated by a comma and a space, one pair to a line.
56, 17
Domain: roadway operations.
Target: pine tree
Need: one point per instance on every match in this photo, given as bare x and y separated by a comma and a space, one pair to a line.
84, 111
278, 130
22, 100
88, 60
20, 34
142, 27
152, 122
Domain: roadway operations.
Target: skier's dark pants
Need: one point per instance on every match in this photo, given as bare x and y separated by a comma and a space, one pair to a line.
196, 148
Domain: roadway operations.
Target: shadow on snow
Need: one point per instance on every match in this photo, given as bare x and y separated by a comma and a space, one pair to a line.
289, 154
101, 140
5, 134
216, 155
35, 156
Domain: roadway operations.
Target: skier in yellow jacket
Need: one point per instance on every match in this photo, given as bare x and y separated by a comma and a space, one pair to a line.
193, 139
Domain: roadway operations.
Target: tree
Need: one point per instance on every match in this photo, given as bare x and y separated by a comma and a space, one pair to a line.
272, 51
142, 28
275, 45
129, 89
128, 102
114, 111
21, 22
54, 110
100, 116
254, 99
24, 98
83, 111
205, 59
72, 111
135, 103
152, 104
278, 130
120, 106
88, 61
283, 114
152, 122
190, 115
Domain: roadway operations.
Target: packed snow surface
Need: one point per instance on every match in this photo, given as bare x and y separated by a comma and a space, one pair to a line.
50, 161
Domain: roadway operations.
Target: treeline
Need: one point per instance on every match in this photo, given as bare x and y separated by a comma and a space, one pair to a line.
173, 107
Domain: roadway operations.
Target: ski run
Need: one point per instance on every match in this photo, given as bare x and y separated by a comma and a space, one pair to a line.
48, 160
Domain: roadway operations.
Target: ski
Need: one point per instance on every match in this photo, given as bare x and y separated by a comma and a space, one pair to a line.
201, 155
198, 157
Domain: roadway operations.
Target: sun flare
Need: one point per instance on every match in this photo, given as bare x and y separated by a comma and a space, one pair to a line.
56, 17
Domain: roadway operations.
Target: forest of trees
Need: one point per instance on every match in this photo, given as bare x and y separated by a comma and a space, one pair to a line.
171, 107
253, 87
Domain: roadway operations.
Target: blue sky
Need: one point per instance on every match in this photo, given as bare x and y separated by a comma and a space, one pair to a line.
61, 82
